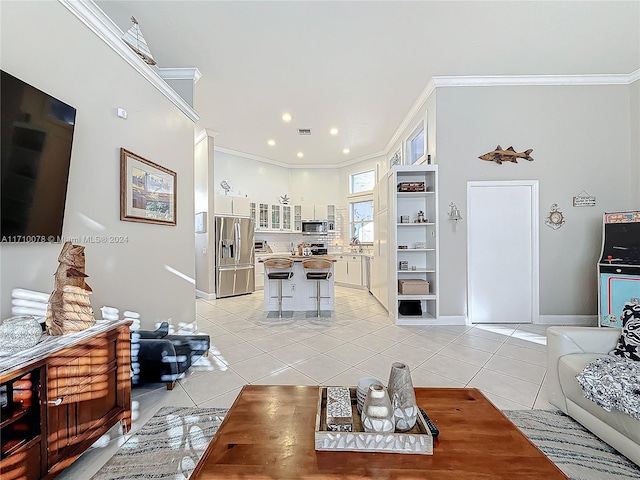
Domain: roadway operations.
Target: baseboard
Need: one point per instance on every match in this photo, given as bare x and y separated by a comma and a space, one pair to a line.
578, 320
448, 320
205, 295
452, 320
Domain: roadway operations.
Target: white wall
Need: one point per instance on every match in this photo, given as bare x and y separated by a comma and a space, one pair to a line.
634, 178
580, 139
46, 45
260, 181
204, 242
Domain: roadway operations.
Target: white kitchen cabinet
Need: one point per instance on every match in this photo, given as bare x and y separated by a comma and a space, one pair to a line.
263, 216
232, 206
331, 218
259, 271
348, 270
379, 263
286, 218
414, 245
354, 270
308, 212
340, 269
223, 205
297, 218
276, 217
241, 207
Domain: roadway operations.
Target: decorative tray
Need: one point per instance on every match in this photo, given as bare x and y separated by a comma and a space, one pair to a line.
418, 440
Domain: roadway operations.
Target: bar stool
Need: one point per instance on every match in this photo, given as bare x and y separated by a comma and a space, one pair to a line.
279, 269
317, 269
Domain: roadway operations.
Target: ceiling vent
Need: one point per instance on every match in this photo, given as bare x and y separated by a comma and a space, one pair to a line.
304, 131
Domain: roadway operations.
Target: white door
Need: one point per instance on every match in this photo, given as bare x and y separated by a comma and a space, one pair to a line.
502, 243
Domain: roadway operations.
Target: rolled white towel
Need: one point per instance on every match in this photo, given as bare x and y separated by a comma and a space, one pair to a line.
17, 302
110, 313
29, 295
28, 311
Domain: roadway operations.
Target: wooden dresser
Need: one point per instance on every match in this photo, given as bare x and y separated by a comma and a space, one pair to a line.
60, 396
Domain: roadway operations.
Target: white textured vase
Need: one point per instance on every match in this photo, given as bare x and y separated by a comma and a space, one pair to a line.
403, 397
377, 414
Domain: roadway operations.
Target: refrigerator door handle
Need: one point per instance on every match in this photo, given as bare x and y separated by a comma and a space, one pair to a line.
236, 226
227, 269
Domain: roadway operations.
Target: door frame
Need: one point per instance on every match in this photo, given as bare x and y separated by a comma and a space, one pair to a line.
535, 241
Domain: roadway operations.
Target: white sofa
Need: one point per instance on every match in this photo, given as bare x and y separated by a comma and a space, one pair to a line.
569, 349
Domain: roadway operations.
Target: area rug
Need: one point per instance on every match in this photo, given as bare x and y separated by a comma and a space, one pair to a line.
168, 446
576, 451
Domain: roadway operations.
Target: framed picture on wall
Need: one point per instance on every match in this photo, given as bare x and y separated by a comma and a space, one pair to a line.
147, 190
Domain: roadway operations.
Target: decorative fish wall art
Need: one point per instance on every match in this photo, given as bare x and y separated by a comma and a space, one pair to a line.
509, 155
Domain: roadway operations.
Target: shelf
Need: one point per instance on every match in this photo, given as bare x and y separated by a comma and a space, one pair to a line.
416, 250
418, 270
10, 416
13, 445
414, 319
415, 224
414, 194
417, 297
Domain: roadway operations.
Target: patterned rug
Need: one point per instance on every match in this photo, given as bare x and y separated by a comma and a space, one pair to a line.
175, 438
575, 450
168, 446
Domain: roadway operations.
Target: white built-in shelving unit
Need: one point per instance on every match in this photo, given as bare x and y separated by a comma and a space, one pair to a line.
420, 240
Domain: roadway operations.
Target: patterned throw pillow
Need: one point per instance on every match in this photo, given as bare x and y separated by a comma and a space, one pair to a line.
629, 341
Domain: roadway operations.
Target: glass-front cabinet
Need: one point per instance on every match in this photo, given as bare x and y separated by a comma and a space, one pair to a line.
276, 215
263, 219
286, 217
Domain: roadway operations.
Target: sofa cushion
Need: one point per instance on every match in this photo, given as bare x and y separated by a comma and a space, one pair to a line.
629, 342
571, 365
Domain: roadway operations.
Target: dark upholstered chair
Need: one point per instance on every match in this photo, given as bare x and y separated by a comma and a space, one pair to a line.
157, 356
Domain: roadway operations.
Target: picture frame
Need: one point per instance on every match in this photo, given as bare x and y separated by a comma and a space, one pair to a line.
147, 190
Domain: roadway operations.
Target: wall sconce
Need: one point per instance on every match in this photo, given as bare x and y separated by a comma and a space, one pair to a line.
454, 212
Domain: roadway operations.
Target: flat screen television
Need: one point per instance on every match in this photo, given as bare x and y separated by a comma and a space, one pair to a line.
37, 135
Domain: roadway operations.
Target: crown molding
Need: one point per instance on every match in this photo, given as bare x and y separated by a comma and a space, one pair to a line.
409, 117
178, 73
531, 80
100, 24
204, 134
293, 166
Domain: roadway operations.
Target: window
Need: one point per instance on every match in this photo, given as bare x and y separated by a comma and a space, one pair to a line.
361, 221
362, 182
416, 146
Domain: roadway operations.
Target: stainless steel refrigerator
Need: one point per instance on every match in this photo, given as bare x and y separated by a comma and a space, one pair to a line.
234, 260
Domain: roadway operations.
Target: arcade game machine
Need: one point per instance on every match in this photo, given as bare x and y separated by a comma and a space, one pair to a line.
619, 266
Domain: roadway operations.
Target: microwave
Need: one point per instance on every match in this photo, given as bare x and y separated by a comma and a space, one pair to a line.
310, 227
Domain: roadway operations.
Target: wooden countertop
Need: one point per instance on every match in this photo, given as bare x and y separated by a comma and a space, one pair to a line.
295, 258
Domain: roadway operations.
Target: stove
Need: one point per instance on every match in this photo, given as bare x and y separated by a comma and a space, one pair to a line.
318, 249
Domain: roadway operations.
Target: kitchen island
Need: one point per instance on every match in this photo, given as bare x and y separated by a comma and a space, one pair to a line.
299, 294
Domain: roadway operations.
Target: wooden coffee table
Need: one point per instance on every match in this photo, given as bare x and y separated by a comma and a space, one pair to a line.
269, 434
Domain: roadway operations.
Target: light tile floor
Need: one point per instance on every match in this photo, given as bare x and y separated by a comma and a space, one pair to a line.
506, 362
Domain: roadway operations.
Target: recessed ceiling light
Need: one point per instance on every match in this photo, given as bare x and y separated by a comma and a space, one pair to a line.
300, 154
286, 117
333, 131
271, 142
345, 150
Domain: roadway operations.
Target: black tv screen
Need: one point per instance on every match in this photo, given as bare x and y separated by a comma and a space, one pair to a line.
37, 134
